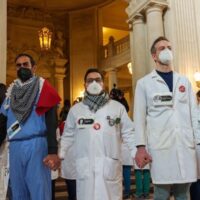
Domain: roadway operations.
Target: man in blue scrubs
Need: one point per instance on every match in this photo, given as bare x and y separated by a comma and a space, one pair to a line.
29, 115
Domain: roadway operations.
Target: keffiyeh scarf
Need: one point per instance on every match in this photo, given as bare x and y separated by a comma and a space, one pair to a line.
95, 101
23, 96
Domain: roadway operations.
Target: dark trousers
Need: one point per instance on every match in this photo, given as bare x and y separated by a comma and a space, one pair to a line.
71, 188
127, 179
195, 190
53, 189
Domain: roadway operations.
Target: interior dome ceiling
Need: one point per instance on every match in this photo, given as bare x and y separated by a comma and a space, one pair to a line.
59, 4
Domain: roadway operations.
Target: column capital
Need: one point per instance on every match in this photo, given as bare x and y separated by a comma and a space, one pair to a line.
59, 76
154, 8
60, 71
136, 19
60, 68
60, 62
136, 7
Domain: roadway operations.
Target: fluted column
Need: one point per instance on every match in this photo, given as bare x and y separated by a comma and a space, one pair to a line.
112, 79
183, 28
3, 39
59, 78
138, 48
154, 27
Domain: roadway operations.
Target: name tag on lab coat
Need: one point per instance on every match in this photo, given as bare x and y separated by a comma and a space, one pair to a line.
84, 122
13, 130
162, 99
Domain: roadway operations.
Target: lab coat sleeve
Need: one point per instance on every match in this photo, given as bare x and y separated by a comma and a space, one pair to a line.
194, 115
127, 131
67, 138
140, 113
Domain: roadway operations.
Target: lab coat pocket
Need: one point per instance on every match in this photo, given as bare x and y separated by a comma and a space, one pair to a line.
82, 168
160, 139
188, 137
112, 169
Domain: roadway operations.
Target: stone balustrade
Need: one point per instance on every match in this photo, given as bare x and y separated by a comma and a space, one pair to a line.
115, 48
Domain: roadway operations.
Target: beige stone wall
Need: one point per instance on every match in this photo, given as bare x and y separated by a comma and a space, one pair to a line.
83, 47
3, 39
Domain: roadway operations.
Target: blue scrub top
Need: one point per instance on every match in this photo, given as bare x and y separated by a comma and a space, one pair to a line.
33, 126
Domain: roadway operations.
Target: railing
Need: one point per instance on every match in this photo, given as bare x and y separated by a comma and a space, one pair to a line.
115, 54
116, 48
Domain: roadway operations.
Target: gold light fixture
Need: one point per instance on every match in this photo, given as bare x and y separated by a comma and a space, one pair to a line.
45, 35
197, 78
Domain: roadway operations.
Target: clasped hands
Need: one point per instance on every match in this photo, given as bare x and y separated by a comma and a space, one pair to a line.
52, 161
142, 157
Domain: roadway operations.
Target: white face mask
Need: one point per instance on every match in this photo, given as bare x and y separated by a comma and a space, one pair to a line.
165, 56
94, 88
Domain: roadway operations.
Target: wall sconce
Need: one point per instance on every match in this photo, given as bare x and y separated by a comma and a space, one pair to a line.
197, 78
45, 37
129, 65
45, 34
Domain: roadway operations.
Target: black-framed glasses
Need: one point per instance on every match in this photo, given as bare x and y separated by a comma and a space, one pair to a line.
90, 80
24, 64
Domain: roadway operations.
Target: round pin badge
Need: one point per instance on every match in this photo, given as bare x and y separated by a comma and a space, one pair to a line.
97, 126
182, 88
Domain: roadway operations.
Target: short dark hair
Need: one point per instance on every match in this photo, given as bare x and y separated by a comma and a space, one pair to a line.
153, 49
91, 70
198, 93
26, 55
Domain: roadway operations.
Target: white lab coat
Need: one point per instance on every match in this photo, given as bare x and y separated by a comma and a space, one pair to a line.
68, 166
98, 149
198, 146
127, 159
167, 130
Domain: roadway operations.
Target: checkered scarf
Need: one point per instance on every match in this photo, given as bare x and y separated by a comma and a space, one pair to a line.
23, 97
95, 101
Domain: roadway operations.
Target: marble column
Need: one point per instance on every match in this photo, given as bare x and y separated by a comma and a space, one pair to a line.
112, 79
138, 47
183, 27
3, 39
154, 28
59, 78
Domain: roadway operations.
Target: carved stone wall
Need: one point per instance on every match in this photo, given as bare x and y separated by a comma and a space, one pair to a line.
23, 26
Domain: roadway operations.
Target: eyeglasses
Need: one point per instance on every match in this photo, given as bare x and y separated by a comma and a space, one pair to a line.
90, 80
25, 64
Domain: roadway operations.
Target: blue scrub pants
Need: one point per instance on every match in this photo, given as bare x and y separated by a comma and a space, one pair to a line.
30, 178
127, 179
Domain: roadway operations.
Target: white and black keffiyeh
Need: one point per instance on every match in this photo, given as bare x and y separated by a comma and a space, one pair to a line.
95, 101
23, 97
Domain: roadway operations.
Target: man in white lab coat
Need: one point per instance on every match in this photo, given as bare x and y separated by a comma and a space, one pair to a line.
166, 123
96, 126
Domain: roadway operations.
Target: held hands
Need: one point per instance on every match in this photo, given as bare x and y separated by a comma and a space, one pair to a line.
52, 161
142, 157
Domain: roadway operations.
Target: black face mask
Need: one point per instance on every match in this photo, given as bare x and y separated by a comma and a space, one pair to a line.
24, 74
